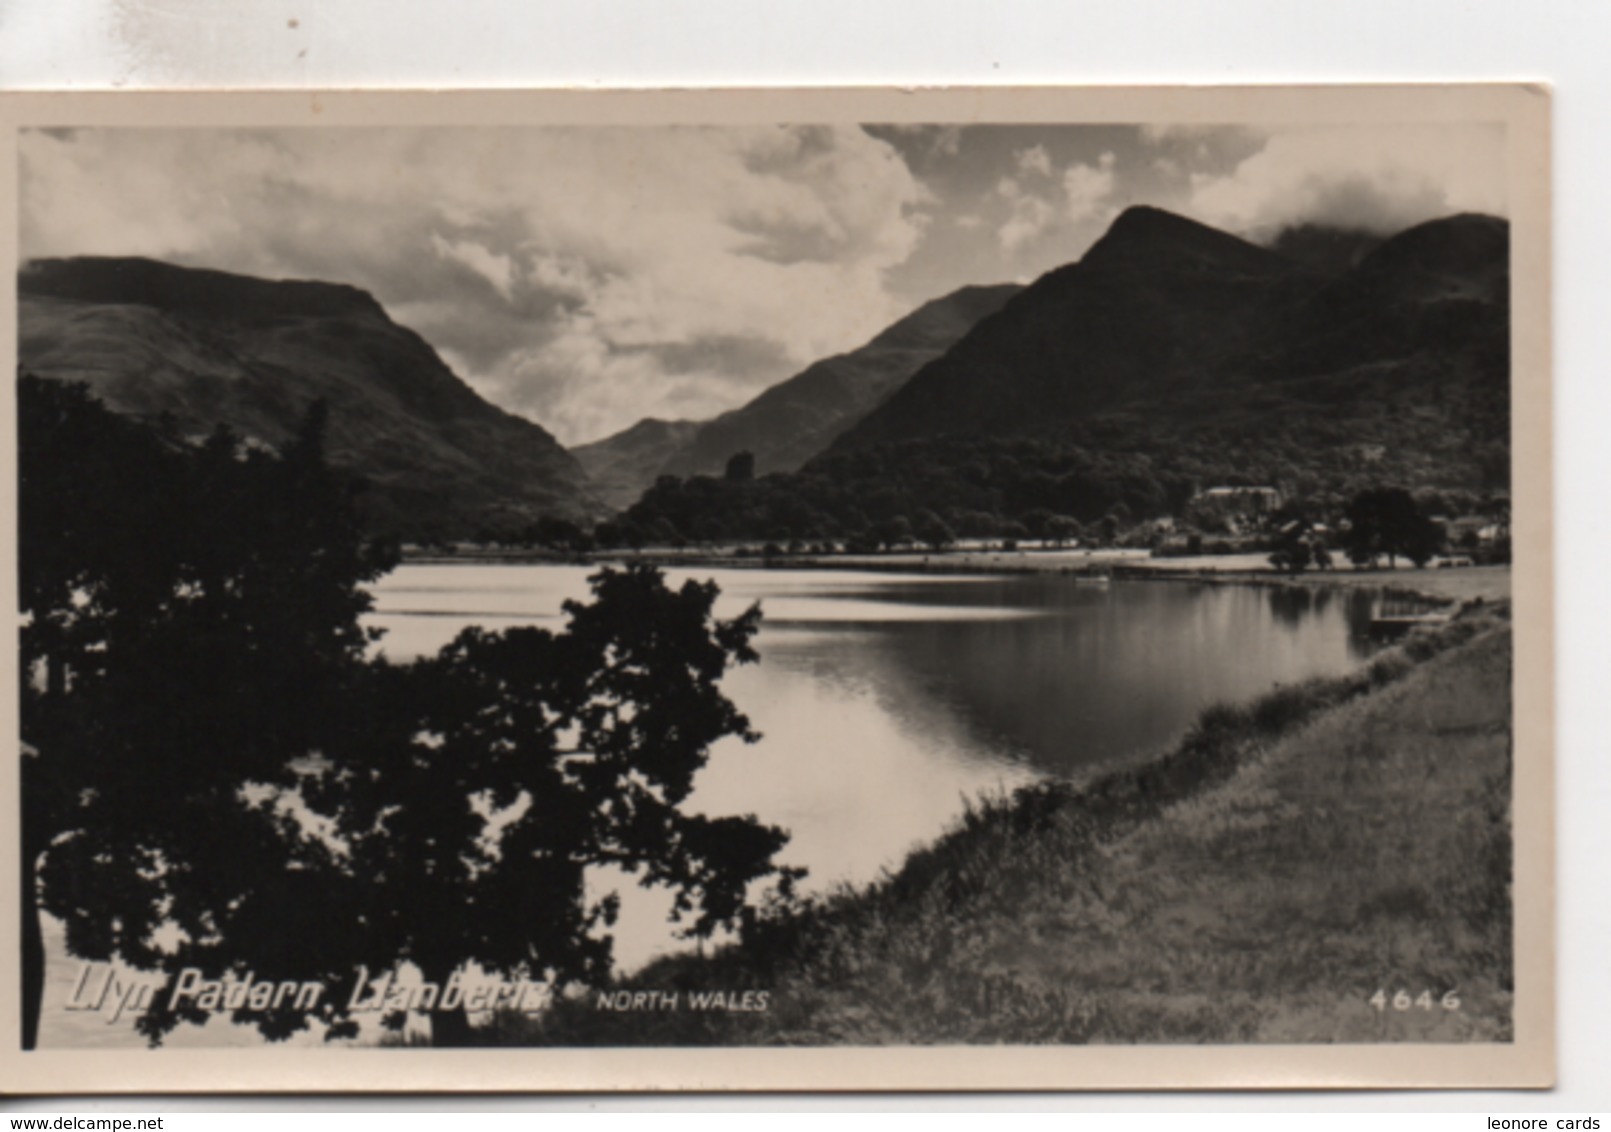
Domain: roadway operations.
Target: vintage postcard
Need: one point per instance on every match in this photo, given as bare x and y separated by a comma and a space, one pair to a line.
748, 590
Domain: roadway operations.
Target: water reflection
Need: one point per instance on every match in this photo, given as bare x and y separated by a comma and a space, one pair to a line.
886, 698
1103, 671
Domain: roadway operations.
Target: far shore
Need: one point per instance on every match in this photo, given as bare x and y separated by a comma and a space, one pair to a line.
1445, 585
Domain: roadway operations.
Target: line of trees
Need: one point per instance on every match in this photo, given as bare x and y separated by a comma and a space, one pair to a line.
1378, 523
217, 774
1386, 521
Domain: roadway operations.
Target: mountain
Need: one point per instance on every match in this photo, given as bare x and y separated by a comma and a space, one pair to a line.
797, 418
1325, 246
1436, 294
1158, 299
1172, 358
794, 420
205, 348
1170, 325
621, 466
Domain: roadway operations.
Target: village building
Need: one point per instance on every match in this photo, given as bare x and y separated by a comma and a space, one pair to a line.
1235, 509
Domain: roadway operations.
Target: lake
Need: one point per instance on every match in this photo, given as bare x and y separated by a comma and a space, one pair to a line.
887, 701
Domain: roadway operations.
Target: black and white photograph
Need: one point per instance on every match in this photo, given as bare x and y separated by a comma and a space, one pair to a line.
1015, 589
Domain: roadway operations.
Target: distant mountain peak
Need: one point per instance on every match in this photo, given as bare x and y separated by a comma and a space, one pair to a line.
646, 426
1465, 241
1149, 237
1146, 218
622, 465
1329, 248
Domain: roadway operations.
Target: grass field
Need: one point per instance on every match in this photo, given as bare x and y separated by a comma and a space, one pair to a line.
1259, 883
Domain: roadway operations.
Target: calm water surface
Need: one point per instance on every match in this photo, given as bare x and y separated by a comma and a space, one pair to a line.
886, 701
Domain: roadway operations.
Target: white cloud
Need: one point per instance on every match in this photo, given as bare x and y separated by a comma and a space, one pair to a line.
588, 277
1080, 198
498, 270
1382, 179
947, 141
941, 141
1156, 133
1035, 159
1087, 189
1031, 217
556, 266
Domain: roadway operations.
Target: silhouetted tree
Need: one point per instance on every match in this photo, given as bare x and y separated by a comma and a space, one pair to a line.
894, 532
191, 628
1061, 529
479, 787
934, 531
1387, 521
740, 467
1035, 520
558, 534
1295, 548
216, 776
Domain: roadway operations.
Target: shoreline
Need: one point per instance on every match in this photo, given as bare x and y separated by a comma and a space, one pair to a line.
1439, 586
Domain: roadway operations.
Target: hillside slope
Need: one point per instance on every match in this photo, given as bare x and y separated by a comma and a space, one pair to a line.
1159, 301
621, 466
796, 419
207, 348
1171, 358
1174, 320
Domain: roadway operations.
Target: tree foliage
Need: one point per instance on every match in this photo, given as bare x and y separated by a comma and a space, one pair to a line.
934, 531
1328, 440
217, 775
740, 467
1062, 529
191, 622
1386, 521
479, 787
1297, 547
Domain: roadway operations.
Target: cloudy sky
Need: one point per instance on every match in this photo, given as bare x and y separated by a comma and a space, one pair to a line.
589, 277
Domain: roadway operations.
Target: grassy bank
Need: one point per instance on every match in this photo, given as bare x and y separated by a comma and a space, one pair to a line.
1259, 883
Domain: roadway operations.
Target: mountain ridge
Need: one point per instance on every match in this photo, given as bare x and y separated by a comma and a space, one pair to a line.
1160, 305
621, 465
204, 347
1168, 360
789, 423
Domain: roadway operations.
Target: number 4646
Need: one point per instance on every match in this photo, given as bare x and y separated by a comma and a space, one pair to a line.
1401, 1000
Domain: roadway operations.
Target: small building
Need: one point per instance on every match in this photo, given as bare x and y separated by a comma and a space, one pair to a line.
1470, 529
1236, 509
1254, 500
